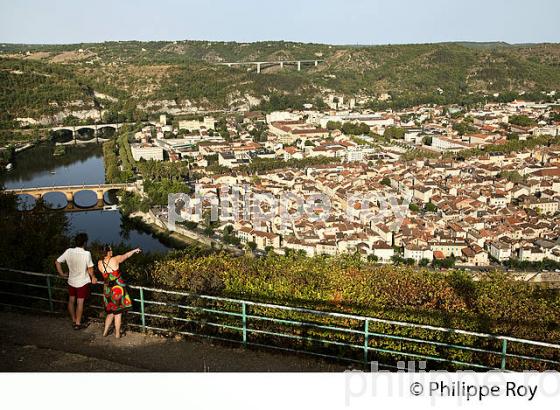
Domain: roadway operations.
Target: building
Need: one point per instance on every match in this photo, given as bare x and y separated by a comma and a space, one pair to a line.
373, 120
449, 249
383, 252
499, 250
423, 193
418, 253
266, 239
227, 159
354, 154
288, 132
448, 144
147, 152
544, 205
475, 256
276, 116
208, 123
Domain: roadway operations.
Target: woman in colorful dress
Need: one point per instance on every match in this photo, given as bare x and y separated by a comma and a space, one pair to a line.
115, 296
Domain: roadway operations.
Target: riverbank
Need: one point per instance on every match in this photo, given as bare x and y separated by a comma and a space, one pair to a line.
181, 238
155, 225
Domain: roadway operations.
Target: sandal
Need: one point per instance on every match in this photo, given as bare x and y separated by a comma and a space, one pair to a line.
79, 326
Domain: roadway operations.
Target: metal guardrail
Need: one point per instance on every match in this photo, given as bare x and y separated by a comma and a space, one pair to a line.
341, 336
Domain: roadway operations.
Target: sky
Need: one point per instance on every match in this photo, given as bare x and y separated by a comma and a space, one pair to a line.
317, 21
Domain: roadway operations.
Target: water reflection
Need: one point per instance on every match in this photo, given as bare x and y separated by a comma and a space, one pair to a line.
37, 167
106, 227
55, 200
26, 202
85, 199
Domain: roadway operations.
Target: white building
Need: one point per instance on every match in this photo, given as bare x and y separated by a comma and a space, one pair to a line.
373, 120
383, 252
354, 155
499, 250
548, 130
413, 135
194, 125
418, 253
146, 152
448, 144
278, 116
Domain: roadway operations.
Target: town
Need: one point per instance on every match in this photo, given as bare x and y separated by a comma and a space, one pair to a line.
481, 185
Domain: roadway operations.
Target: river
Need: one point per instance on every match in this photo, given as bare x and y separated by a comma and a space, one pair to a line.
37, 167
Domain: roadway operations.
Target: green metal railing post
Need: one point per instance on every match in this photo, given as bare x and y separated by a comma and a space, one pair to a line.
142, 316
504, 351
366, 341
244, 318
49, 291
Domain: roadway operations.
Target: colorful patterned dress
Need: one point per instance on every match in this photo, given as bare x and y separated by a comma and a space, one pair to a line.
115, 296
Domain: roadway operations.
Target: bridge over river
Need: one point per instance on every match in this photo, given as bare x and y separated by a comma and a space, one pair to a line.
70, 191
75, 129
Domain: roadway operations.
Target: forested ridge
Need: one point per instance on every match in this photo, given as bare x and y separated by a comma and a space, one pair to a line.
134, 78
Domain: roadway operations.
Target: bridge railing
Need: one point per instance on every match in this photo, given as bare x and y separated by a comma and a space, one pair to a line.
341, 336
70, 187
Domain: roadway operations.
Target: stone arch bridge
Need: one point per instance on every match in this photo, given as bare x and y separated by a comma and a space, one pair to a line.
70, 190
74, 129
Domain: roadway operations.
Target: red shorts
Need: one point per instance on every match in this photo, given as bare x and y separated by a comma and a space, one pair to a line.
80, 293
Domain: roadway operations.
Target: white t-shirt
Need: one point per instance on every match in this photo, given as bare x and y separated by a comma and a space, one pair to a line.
78, 261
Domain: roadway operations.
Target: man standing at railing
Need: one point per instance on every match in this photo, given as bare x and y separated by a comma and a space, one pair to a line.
80, 275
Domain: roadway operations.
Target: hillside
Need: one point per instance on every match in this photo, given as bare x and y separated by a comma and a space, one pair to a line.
136, 78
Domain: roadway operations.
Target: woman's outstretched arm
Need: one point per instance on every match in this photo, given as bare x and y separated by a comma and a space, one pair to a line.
122, 258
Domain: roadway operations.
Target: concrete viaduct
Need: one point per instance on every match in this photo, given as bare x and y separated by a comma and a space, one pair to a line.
260, 64
70, 190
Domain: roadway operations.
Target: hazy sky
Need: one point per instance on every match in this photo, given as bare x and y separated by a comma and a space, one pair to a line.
324, 21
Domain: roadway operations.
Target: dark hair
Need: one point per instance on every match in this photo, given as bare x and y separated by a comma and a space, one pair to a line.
81, 239
106, 249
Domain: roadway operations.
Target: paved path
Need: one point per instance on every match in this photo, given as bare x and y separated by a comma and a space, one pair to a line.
30, 342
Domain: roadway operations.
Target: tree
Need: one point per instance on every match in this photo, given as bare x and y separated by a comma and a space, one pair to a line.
251, 246
393, 132
413, 207
463, 128
334, 125
521, 120
430, 207
190, 225
30, 240
512, 176
447, 263
386, 181
423, 262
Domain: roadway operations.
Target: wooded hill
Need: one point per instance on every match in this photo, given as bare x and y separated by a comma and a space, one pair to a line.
150, 76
